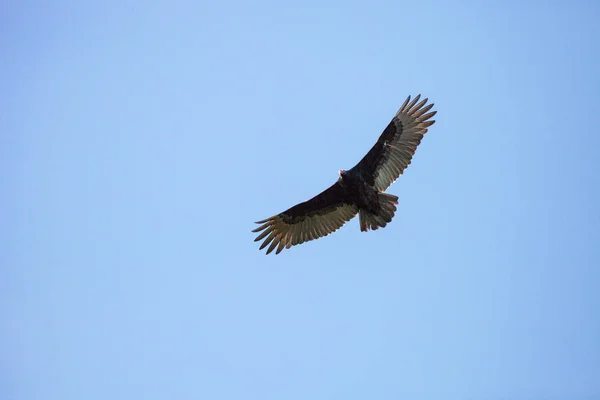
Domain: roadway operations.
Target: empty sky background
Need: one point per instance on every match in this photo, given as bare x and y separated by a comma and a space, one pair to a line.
141, 140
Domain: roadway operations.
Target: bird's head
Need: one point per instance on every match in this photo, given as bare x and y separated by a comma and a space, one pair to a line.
342, 173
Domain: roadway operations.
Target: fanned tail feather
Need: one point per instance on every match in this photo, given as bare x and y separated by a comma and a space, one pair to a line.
387, 208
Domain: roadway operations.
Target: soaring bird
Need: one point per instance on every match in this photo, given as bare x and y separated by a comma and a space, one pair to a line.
359, 190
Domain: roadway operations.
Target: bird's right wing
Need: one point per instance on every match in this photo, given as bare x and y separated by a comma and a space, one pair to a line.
323, 214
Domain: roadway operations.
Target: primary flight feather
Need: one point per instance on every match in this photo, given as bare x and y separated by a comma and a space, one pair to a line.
359, 190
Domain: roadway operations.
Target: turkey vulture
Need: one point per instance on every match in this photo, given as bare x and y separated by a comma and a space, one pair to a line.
358, 190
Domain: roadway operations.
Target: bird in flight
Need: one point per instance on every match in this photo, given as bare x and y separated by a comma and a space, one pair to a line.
359, 190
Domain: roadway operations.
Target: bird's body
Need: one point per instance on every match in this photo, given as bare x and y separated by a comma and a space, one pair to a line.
358, 190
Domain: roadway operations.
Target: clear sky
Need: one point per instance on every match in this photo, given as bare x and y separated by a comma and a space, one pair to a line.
141, 140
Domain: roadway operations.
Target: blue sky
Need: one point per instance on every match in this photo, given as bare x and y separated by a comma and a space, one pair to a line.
140, 142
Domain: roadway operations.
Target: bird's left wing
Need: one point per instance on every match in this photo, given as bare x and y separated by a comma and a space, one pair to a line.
323, 214
396, 146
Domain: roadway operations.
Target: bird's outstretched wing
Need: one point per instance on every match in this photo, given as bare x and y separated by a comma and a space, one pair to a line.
394, 150
323, 214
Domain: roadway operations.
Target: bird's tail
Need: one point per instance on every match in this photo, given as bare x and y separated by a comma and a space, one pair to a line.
387, 208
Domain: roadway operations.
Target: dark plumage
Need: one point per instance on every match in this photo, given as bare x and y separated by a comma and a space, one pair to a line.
358, 190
